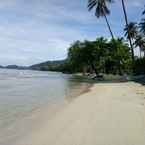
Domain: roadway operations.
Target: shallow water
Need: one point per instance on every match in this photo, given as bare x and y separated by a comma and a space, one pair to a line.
24, 91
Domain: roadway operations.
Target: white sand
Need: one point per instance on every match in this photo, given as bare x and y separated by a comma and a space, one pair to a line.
110, 114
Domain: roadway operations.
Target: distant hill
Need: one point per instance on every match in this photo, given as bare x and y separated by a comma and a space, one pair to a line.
15, 67
49, 66
44, 66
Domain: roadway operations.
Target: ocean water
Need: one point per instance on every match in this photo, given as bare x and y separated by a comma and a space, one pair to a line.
24, 91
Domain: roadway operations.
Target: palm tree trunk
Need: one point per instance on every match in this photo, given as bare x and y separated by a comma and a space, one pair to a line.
109, 27
126, 20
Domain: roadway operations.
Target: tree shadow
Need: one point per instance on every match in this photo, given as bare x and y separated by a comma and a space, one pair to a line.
140, 80
84, 79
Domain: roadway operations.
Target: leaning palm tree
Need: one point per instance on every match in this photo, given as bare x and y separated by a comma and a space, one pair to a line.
126, 20
101, 10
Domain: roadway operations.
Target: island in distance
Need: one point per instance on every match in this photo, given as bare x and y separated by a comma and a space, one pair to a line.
44, 66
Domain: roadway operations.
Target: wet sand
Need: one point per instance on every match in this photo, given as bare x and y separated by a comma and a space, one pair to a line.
109, 114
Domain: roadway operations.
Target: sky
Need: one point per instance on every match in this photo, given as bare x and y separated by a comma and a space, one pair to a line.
33, 31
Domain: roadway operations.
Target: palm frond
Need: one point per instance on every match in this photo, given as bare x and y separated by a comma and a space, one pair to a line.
100, 6
91, 4
131, 30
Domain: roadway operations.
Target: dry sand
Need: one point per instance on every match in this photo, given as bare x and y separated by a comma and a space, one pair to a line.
110, 114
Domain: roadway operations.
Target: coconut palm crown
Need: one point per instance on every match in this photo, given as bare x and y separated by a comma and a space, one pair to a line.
101, 10
131, 30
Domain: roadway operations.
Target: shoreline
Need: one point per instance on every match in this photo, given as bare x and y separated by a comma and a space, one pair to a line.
30, 121
112, 113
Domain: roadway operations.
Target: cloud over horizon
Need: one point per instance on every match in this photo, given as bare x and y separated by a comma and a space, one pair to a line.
38, 30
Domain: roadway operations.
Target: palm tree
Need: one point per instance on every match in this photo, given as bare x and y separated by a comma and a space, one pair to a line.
101, 10
140, 42
126, 20
131, 30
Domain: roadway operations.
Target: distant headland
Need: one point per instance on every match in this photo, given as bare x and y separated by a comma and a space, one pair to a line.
44, 66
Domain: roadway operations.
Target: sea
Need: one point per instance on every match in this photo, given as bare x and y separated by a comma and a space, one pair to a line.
23, 92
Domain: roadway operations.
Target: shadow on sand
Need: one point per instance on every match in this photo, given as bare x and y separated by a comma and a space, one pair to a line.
89, 80
137, 79
140, 80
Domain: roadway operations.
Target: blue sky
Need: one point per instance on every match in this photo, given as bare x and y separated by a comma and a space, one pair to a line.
33, 31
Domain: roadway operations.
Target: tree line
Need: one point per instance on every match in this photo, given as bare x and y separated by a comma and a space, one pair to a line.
99, 56
103, 56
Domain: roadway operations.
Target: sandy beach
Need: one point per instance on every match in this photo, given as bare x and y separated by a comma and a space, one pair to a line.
109, 114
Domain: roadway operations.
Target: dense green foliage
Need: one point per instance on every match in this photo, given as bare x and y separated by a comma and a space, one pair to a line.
100, 56
139, 66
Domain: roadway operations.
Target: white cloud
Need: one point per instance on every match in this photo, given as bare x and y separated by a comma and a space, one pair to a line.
38, 30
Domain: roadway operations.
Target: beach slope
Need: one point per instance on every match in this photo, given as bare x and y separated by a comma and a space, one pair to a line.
110, 114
